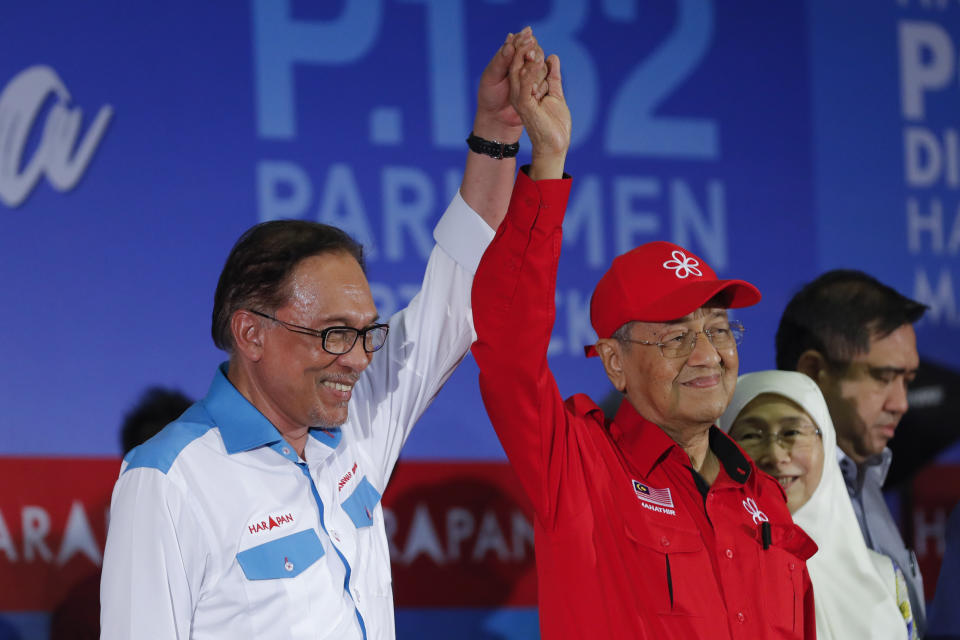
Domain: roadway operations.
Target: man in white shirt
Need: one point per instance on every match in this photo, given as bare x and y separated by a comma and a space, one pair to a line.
257, 513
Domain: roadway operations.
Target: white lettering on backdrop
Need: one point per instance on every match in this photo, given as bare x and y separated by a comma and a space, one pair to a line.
931, 159
391, 208
58, 154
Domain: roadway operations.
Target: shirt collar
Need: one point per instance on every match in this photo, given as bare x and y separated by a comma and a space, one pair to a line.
330, 437
646, 444
853, 473
242, 426
736, 463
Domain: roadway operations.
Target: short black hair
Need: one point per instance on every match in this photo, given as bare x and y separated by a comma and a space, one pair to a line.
837, 314
260, 263
157, 407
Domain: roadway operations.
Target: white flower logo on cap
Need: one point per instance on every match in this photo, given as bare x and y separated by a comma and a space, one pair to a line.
683, 265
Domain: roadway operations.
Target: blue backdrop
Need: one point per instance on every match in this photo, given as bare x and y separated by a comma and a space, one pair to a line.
137, 141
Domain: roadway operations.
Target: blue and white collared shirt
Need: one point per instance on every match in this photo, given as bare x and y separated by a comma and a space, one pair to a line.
218, 529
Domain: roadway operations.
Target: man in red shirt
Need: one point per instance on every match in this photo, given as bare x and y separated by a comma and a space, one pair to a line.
655, 524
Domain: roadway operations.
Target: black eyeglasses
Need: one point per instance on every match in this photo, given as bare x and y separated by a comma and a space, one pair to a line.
679, 344
338, 340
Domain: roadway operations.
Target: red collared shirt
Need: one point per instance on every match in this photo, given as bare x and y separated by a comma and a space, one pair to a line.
627, 544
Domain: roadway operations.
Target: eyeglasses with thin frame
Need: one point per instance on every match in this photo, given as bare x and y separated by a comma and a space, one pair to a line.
754, 440
337, 340
682, 342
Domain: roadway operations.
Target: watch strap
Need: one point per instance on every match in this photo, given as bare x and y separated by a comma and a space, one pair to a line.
493, 148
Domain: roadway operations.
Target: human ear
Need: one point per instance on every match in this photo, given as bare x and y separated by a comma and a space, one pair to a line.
611, 354
247, 332
812, 363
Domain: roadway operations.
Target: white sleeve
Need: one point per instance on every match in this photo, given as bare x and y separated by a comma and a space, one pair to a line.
153, 562
427, 340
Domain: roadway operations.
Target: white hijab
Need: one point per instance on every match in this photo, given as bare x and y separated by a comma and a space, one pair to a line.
851, 599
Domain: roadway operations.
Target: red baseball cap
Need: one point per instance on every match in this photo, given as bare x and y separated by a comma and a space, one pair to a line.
657, 282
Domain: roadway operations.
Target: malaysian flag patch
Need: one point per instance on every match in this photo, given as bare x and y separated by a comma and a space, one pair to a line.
659, 497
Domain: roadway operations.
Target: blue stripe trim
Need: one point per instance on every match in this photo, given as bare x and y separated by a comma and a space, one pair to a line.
346, 578
363, 627
285, 557
160, 451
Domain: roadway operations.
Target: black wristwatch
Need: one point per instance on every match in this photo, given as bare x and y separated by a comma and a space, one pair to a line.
492, 148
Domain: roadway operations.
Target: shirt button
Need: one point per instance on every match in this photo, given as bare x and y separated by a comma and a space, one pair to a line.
288, 565
336, 536
741, 617
664, 541
286, 451
729, 553
793, 566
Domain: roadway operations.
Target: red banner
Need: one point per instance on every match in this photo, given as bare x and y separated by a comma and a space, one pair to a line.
936, 490
53, 523
459, 533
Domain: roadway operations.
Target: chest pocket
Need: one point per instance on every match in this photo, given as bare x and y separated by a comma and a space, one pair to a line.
678, 580
285, 557
360, 504
782, 576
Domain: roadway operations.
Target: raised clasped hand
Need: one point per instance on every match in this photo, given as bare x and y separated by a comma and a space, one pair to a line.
536, 93
496, 118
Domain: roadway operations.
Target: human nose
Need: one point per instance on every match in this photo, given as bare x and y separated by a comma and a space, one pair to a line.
773, 449
704, 353
356, 358
897, 402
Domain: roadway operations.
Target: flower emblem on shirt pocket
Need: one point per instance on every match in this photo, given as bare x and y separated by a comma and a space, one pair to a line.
754, 511
285, 557
361, 503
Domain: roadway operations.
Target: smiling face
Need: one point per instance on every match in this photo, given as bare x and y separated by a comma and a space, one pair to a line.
868, 397
781, 438
681, 395
299, 384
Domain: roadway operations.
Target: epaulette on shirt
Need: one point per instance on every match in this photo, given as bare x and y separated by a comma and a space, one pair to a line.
771, 480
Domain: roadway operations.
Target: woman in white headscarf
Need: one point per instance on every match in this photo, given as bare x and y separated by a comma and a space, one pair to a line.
781, 420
